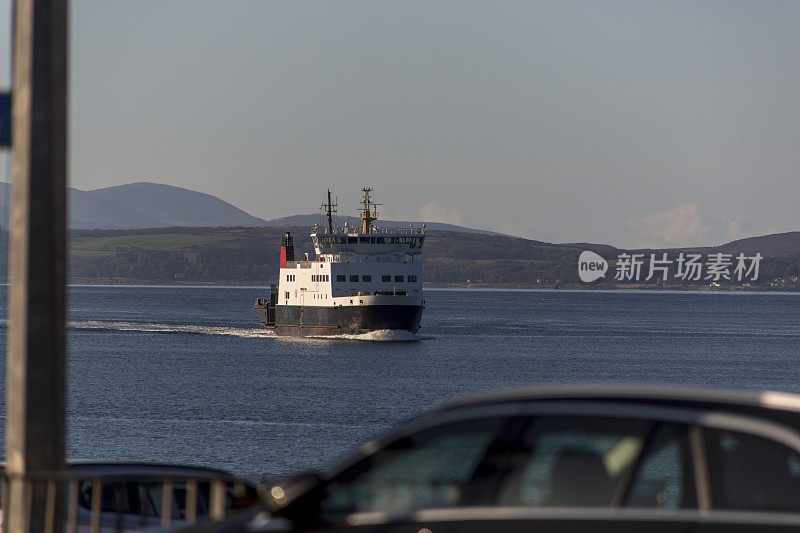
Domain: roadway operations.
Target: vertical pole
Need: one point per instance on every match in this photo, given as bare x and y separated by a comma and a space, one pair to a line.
35, 374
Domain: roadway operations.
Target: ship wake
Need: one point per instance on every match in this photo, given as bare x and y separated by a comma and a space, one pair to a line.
381, 335
147, 327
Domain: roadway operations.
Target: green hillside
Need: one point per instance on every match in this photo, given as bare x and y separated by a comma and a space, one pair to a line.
249, 256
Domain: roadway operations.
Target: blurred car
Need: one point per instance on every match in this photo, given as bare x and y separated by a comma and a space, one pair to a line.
131, 495
567, 458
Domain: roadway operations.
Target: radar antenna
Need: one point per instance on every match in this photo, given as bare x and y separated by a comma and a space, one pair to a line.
369, 211
329, 209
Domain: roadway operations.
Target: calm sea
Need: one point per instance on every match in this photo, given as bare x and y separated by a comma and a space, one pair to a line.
185, 374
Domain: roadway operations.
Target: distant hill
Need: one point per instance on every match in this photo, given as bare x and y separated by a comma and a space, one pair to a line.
146, 205
173, 206
774, 245
139, 206
310, 220
250, 256
143, 205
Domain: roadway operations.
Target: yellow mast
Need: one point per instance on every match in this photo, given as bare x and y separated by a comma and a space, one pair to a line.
369, 211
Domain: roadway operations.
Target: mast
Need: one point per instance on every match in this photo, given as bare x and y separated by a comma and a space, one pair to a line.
330, 208
369, 211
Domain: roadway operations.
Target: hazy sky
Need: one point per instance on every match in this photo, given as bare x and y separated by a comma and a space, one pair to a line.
623, 122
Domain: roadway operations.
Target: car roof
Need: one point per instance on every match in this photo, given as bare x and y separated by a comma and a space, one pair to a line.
121, 468
782, 407
113, 467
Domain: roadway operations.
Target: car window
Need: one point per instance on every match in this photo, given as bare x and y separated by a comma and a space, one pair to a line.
574, 461
151, 493
429, 469
663, 479
115, 498
752, 473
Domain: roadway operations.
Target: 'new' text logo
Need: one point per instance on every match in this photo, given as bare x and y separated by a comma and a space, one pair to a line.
591, 266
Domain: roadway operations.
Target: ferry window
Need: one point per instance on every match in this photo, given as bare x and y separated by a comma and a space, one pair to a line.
286, 295
354, 278
398, 279
386, 279
412, 278
352, 240
364, 240
341, 277
366, 277
380, 240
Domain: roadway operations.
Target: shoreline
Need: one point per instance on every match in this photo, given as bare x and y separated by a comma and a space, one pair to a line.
608, 287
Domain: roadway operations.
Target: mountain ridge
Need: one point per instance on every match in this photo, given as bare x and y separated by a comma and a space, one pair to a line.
145, 205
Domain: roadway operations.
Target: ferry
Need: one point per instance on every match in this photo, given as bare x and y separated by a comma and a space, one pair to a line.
362, 279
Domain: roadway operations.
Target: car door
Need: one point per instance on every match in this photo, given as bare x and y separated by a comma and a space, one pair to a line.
557, 471
447, 466
500, 472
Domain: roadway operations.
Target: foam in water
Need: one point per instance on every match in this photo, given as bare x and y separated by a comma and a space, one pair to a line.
381, 335
384, 335
245, 333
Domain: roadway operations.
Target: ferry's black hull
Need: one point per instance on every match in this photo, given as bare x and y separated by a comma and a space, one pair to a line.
302, 321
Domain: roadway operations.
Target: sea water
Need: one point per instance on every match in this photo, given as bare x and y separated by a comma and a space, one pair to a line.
187, 375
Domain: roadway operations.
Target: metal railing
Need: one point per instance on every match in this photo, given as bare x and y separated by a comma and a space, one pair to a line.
96, 500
